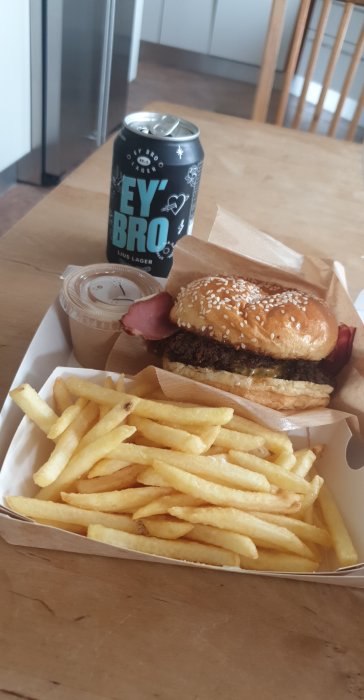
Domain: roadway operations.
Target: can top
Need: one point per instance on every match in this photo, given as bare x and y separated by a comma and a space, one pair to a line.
98, 295
166, 127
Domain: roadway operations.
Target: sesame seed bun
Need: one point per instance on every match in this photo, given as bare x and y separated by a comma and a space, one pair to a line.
280, 394
263, 318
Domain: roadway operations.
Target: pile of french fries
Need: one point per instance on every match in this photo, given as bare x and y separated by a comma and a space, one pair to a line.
179, 480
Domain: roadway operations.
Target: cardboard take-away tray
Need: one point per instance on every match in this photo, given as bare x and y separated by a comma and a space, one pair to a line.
29, 447
50, 354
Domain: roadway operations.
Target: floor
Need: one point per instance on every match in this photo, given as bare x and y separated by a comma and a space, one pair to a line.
156, 82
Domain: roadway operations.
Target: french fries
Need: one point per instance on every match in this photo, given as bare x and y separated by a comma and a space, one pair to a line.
167, 436
306, 531
232, 541
114, 417
124, 501
172, 413
304, 462
215, 468
122, 479
34, 407
66, 446
120, 384
311, 496
276, 475
104, 408
287, 460
99, 394
62, 398
279, 562
179, 480
224, 495
162, 505
66, 418
244, 523
63, 513
180, 549
167, 529
276, 442
148, 477
233, 440
81, 462
344, 548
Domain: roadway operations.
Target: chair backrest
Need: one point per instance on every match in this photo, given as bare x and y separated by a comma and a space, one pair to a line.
269, 62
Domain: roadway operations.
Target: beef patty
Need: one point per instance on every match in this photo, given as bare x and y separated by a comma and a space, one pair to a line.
200, 351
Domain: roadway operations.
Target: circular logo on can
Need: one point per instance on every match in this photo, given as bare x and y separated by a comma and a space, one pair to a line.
143, 160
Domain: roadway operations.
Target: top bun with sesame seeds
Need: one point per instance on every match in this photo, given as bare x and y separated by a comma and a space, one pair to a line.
256, 316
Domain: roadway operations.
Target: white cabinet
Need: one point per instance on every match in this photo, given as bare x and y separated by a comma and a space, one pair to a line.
183, 25
152, 20
241, 26
231, 29
187, 25
15, 125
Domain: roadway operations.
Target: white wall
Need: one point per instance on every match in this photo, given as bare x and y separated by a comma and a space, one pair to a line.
15, 124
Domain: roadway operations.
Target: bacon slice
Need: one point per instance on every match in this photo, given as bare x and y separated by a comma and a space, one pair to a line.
341, 354
149, 317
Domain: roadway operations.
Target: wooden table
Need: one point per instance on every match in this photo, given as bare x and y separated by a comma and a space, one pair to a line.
81, 627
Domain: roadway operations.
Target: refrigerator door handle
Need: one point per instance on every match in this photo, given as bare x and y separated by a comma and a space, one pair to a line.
106, 65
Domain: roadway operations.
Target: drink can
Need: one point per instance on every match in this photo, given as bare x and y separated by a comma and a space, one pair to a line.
156, 171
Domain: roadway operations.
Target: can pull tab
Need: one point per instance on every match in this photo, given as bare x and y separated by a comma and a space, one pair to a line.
165, 127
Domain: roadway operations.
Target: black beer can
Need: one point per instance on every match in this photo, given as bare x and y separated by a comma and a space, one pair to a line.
156, 170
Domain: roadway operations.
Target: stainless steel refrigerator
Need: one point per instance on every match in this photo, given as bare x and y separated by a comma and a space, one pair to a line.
80, 51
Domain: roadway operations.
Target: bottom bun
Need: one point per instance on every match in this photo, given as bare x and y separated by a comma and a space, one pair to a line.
280, 394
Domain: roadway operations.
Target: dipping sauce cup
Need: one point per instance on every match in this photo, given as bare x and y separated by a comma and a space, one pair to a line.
95, 298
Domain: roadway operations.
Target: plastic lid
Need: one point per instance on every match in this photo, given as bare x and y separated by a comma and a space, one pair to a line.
98, 295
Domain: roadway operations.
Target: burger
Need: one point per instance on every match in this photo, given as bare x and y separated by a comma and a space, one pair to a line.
276, 346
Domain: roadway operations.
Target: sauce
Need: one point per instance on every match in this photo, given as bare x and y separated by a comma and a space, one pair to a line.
95, 298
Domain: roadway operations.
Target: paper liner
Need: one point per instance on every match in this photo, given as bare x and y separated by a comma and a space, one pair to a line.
235, 247
190, 390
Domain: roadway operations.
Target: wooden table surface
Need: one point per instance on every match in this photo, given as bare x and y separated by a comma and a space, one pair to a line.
81, 627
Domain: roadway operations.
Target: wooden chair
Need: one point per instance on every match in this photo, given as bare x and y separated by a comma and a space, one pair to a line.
272, 45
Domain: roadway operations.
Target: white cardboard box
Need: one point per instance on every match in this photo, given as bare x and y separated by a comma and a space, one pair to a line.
50, 348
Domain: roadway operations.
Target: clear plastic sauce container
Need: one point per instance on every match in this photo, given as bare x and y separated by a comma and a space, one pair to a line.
95, 298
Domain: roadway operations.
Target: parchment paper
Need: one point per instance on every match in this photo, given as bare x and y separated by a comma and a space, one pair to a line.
235, 247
